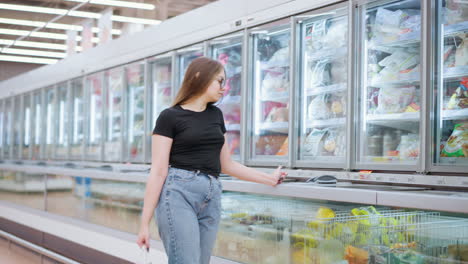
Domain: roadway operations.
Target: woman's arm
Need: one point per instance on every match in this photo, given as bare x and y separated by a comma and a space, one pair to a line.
235, 169
160, 149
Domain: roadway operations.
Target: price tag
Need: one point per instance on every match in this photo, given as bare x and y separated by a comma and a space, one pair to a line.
364, 174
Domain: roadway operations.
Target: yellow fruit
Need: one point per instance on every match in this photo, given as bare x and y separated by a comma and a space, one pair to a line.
324, 213
306, 237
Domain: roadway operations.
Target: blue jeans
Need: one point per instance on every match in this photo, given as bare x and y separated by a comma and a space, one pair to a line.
188, 215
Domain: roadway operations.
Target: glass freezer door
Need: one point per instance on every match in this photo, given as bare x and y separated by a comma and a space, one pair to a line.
270, 89
95, 98
185, 57
135, 112
2, 126
26, 134
77, 119
17, 127
50, 115
323, 93
228, 51
161, 75
61, 151
451, 119
114, 116
7, 128
390, 97
36, 131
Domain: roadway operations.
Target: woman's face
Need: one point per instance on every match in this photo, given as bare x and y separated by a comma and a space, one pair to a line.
216, 89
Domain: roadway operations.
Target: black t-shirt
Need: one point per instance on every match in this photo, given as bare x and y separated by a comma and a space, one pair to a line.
197, 137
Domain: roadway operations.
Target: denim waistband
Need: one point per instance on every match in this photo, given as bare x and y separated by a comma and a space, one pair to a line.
197, 171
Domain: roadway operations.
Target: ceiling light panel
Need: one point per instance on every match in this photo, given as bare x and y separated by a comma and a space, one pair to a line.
17, 32
27, 59
35, 44
118, 3
39, 53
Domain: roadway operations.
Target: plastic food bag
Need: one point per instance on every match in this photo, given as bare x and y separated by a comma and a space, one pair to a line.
461, 55
336, 34
457, 144
316, 35
319, 74
449, 56
394, 100
459, 99
275, 81
318, 108
280, 58
338, 72
409, 146
278, 114
456, 11
313, 143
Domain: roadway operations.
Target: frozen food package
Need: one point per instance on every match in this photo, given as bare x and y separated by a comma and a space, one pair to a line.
395, 100
278, 114
280, 58
267, 47
330, 142
316, 35
336, 35
320, 74
269, 144
387, 25
275, 81
409, 146
449, 56
410, 21
338, 71
268, 106
457, 144
461, 54
459, 99
318, 108
455, 12
283, 151
337, 106
313, 143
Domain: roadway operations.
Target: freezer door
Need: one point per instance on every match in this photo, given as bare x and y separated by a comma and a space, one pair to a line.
451, 87
323, 88
94, 86
26, 133
228, 51
269, 87
36, 129
389, 99
77, 120
63, 109
135, 83
17, 127
114, 80
50, 115
7, 129
185, 57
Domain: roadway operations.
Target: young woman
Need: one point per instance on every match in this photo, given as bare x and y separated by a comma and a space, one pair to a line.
189, 151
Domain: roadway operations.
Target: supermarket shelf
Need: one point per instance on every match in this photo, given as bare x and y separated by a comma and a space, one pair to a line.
453, 161
326, 89
403, 81
281, 127
456, 28
455, 114
327, 54
232, 127
404, 40
412, 116
281, 64
326, 123
456, 72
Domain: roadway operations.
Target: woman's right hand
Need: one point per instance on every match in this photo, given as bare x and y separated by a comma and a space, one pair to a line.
277, 177
143, 237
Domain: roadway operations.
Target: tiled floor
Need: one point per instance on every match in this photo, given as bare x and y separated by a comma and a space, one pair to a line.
14, 254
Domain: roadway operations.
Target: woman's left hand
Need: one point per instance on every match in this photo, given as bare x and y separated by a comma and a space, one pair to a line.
279, 175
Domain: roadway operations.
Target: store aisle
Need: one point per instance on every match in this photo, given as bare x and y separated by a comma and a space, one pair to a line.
14, 254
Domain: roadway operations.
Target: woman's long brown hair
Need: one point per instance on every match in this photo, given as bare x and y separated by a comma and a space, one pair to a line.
199, 75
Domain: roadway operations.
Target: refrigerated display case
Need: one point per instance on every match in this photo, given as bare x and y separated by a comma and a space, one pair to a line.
2, 127
8, 123
135, 110
26, 133
269, 86
451, 87
51, 122
94, 92
323, 48
63, 110
77, 119
228, 51
184, 58
17, 125
37, 125
114, 114
389, 100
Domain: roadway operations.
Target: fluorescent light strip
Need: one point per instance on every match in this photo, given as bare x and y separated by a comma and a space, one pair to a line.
17, 32
27, 59
118, 3
57, 11
51, 25
35, 44
39, 53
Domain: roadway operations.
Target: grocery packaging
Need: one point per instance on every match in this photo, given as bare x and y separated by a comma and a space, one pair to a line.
457, 144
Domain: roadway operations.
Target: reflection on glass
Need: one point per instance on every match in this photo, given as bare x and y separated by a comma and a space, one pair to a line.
50, 115
451, 141
17, 128
185, 58
36, 125
26, 126
7, 131
228, 51
271, 92
93, 144
135, 110
77, 119
114, 105
63, 125
22, 188
97, 201
390, 97
324, 88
